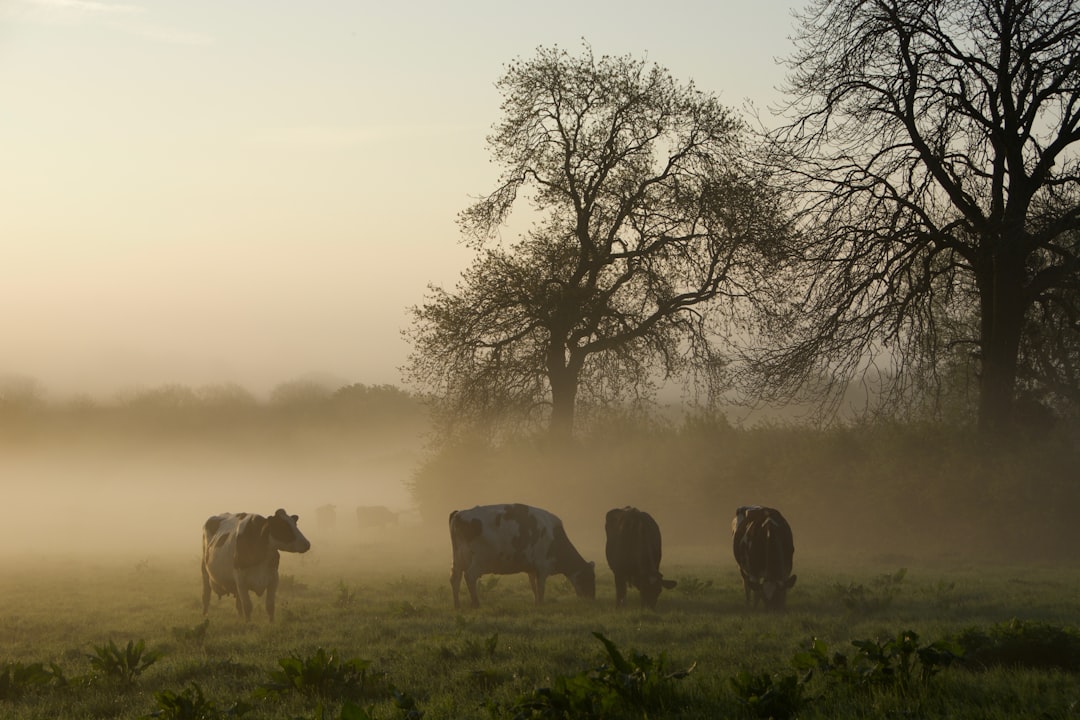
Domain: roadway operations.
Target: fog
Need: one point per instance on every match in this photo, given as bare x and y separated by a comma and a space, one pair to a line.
135, 480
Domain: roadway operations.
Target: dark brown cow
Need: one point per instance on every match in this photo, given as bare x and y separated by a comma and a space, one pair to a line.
633, 554
763, 546
509, 539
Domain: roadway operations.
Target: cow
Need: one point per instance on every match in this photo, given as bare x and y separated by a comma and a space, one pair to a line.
763, 546
241, 554
633, 554
508, 539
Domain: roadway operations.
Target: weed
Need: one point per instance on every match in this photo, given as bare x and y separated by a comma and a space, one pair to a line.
345, 596
195, 635
191, 704
16, 678
638, 683
126, 665
1017, 643
324, 675
768, 696
862, 600
692, 586
891, 662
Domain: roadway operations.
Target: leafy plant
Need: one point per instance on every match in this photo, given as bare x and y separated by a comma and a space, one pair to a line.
639, 683
191, 704
325, 675
893, 661
17, 678
768, 696
1017, 643
858, 598
124, 664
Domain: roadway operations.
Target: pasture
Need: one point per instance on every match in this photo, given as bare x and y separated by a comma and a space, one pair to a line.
388, 604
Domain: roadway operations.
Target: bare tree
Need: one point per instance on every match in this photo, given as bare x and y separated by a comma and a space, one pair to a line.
933, 145
646, 214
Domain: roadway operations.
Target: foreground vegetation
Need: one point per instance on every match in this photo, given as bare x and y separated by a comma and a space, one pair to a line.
104, 639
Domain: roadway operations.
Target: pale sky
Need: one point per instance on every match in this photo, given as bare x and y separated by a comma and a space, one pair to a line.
204, 192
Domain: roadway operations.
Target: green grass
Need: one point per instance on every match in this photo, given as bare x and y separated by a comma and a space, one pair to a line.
420, 657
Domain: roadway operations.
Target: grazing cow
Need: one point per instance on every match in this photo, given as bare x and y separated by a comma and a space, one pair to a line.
240, 554
508, 539
375, 516
764, 547
633, 554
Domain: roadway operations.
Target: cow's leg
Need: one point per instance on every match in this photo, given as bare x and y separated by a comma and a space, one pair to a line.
271, 594
455, 584
470, 582
243, 600
538, 587
205, 590
620, 589
532, 585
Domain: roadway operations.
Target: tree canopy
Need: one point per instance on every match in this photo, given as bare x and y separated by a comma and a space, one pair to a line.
932, 149
645, 211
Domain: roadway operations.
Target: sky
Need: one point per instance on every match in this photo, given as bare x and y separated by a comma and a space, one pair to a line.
203, 192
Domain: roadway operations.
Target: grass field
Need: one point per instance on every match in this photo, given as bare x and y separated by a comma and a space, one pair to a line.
390, 606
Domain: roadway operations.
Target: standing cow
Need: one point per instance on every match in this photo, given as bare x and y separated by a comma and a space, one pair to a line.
508, 539
633, 554
240, 554
764, 547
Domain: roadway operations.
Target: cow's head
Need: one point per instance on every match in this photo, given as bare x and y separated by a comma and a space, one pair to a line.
584, 581
284, 533
774, 592
651, 587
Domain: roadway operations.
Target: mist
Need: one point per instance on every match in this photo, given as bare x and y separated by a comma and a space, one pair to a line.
134, 477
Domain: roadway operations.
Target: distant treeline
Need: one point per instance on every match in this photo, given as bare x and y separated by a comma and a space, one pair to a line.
899, 492
175, 411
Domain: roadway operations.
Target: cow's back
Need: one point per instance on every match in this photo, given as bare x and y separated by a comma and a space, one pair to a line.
763, 545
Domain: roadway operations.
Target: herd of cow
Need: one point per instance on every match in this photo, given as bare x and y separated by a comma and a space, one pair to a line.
241, 553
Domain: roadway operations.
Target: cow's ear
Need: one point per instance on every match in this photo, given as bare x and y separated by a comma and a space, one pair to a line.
251, 541
668, 584
791, 581
295, 518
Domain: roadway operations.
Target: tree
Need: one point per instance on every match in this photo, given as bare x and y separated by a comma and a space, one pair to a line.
933, 145
646, 214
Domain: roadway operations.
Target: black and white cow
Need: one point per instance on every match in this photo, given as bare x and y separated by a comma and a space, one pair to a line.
764, 548
633, 554
241, 554
508, 539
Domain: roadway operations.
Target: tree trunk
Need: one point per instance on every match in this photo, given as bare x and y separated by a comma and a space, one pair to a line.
563, 373
1003, 305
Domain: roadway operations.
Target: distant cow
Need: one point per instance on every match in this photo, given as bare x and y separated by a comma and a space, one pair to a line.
764, 547
633, 554
508, 539
375, 516
240, 554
